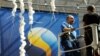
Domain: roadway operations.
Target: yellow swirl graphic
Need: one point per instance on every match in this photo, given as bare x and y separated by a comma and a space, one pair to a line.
37, 41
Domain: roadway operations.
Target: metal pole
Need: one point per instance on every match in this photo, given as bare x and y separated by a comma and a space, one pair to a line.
95, 36
59, 51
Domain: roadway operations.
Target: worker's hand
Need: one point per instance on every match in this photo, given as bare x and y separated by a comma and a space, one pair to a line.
72, 29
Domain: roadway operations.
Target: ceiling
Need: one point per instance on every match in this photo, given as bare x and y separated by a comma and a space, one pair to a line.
61, 5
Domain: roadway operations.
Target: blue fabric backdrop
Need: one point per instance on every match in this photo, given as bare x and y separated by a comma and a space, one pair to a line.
9, 31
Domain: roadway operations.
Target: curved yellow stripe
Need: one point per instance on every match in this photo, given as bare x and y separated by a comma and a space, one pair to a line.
38, 42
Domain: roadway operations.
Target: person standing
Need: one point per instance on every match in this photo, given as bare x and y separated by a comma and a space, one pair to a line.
67, 41
91, 17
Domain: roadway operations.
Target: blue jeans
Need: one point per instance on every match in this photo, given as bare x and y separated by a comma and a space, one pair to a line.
68, 45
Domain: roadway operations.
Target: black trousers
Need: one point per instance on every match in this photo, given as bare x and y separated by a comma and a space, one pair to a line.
88, 41
88, 50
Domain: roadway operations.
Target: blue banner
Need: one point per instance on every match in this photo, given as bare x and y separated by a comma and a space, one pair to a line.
41, 39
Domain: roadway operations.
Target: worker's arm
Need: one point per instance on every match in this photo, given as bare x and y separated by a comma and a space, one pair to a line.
68, 29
